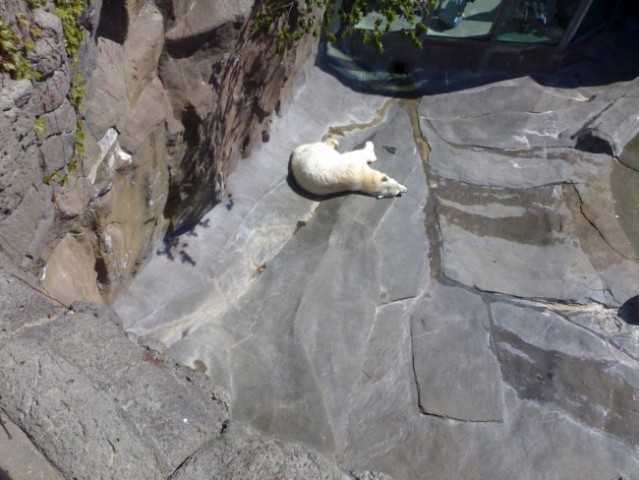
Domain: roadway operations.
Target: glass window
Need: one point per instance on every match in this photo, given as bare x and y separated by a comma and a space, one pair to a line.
370, 19
536, 21
463, 18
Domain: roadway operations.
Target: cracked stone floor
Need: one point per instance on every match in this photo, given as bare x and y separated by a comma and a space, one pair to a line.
483, 325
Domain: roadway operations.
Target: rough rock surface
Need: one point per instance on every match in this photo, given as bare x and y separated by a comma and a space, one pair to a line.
122, 411
27, 153
224, 83
243, 457
20, 458
484, 323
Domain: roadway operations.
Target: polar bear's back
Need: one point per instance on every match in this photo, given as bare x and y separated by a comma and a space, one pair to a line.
320, 169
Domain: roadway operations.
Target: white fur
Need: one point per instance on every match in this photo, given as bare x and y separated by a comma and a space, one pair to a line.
320, 169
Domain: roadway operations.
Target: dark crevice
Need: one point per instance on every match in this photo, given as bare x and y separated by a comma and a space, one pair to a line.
593, 141
102, 271
192, 124
167, 10
414, 370
4, 475
545, 302
114, 21
461, 420
588, 142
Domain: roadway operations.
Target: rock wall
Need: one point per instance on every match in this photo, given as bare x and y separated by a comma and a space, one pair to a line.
28, 153
177, 92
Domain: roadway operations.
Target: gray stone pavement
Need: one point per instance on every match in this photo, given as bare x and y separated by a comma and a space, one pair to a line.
480, 326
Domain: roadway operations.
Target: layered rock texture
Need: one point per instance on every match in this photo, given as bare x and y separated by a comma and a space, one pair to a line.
483, 325
27, 153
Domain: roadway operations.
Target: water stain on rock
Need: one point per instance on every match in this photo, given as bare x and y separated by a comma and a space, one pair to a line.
527, 216
624, 184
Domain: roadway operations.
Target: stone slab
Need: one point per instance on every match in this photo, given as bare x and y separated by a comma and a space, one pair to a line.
455, 379
549, 360
517, 243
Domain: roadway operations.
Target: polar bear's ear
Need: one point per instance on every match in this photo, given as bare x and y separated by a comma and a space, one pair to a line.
332, 143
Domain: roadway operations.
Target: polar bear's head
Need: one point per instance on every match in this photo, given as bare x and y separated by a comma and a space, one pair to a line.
389, 187
381, 185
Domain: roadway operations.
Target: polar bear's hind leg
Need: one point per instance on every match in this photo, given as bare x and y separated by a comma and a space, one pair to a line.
369, 148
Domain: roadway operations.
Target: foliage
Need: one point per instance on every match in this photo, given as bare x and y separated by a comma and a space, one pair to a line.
16, 42
295, 18
70, 13
39, 127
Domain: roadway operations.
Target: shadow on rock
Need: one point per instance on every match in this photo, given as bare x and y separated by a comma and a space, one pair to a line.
174, 246
629, 311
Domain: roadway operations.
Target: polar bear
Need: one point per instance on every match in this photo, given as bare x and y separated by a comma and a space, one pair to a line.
320, 169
